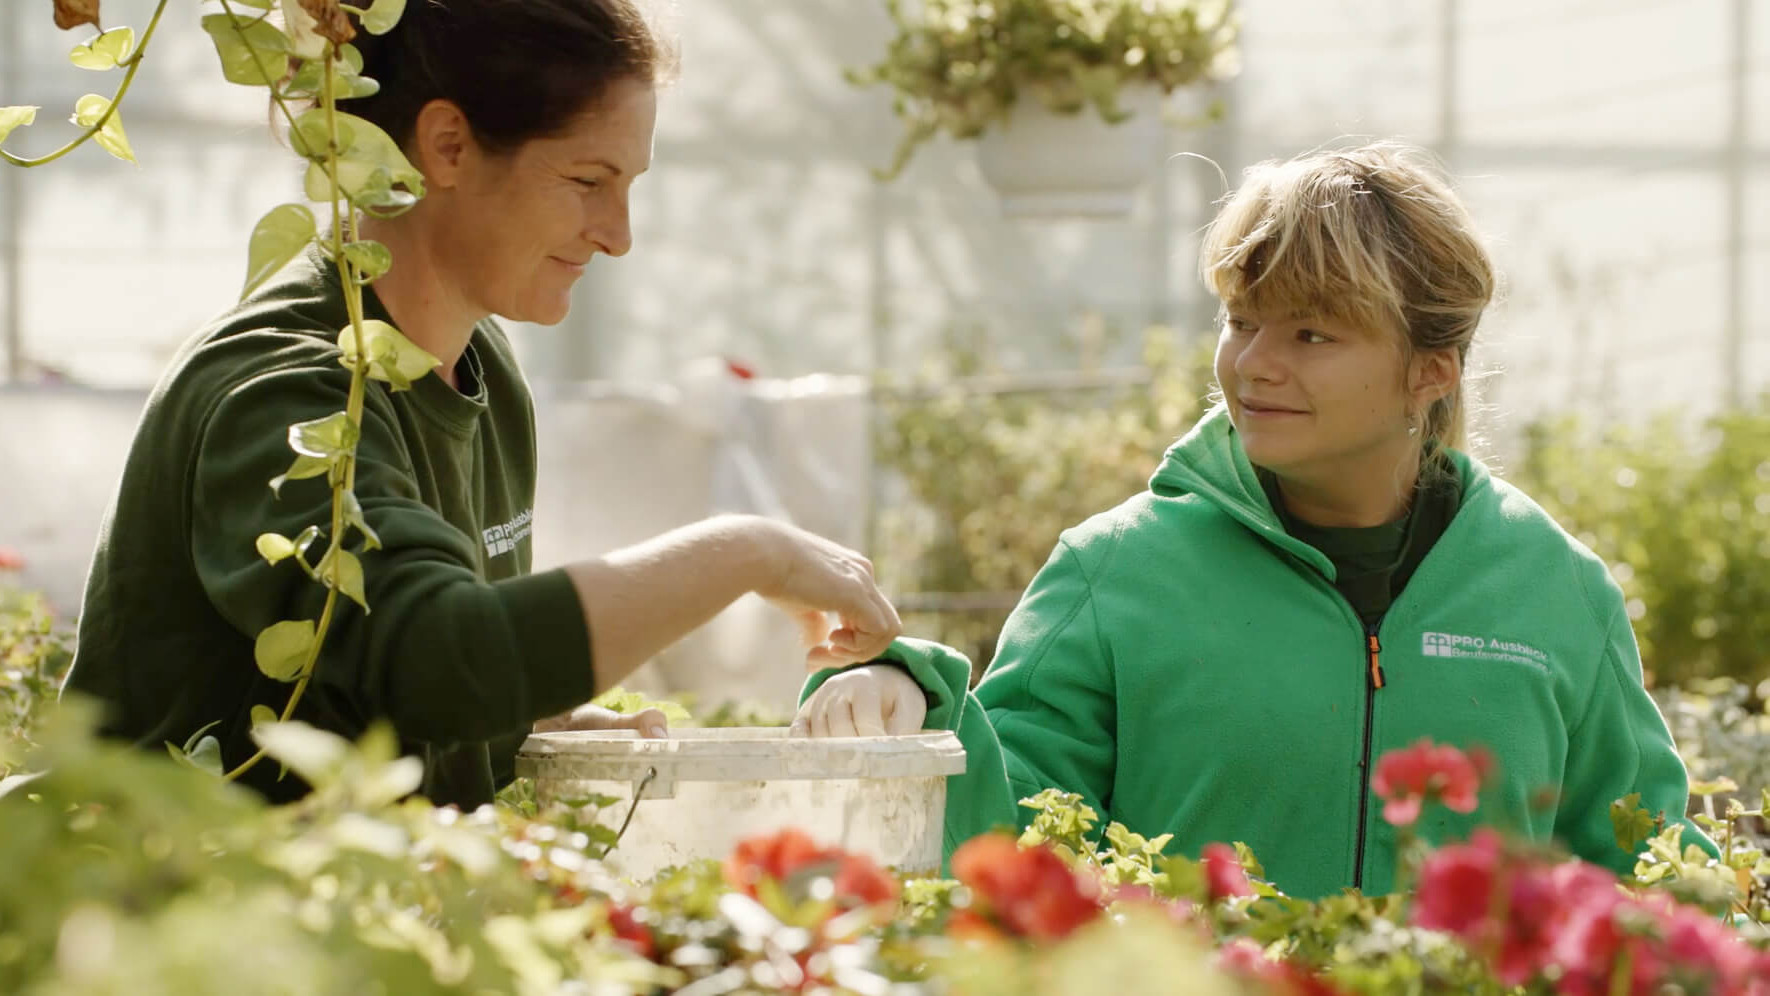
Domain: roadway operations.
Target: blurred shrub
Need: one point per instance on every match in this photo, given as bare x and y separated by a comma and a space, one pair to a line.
1682, 515
1723, 736
992, 476
34, 655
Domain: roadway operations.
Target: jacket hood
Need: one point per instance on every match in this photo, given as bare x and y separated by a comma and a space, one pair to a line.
1209, 463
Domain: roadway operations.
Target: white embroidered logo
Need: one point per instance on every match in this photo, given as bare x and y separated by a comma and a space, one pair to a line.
503, 539
1484, 648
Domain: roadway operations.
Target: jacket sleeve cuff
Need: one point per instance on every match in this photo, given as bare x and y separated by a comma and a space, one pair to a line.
943, 673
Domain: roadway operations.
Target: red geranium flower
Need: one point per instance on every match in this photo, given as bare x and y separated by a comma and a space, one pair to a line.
857, 879
1224, 876
628, 926
775, 856
1030, 892
1514, 911
1408, 777
10, 559
1244, 958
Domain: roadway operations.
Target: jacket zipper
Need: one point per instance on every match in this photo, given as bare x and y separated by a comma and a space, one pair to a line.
1374, 680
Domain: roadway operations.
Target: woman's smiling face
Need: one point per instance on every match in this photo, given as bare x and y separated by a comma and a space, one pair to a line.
523, 224
1313, 399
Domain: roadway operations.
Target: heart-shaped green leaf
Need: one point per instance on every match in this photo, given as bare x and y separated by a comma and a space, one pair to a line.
342, 570
382, 15
203, 755
393, 359
324, 438
105, 51
262, 714
353, 515
86, 114
303, 468
278, 237
275, 547
15, 117
253, 51
371, 259
282, 649
371, 167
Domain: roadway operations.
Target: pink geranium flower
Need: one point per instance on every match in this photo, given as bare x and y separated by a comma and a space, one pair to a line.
1407, 778
1224, 876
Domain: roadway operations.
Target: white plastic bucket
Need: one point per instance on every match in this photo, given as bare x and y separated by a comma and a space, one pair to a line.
701, 791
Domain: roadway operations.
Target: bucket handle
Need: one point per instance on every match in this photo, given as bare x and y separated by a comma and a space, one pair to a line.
638, 793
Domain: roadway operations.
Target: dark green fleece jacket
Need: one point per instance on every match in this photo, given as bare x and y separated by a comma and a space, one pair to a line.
463, 648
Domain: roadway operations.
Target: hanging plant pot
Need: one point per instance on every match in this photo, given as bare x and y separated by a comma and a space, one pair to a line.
1045, 164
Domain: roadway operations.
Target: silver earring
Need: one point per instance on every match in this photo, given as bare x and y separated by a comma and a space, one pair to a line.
1413, 426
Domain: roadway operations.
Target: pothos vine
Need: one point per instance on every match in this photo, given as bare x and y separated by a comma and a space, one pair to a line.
354, 168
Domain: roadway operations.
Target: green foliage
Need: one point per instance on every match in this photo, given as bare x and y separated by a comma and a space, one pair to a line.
1682, 515
1633, 824
104, 52
353, 168
618, 699
277, 238
1723, 735
959, 65
994, 476
96, 115
94, 112
15, 117
34, 656
125, 873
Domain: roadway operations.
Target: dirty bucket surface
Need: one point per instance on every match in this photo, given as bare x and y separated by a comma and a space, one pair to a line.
701, 791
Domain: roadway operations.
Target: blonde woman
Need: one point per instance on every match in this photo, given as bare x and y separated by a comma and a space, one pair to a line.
1319, 573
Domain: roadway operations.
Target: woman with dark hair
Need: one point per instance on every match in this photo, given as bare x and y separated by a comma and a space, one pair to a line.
529, 120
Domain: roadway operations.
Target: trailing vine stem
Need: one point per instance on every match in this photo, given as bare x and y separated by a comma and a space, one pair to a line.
343, 222
132, 62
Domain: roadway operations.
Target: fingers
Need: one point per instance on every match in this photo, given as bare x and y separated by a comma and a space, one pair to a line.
814, 626
907, 715
866, 708
819, 658
649, 722
863, 702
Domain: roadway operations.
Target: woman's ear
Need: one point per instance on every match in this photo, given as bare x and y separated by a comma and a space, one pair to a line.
1433, 376
442, 143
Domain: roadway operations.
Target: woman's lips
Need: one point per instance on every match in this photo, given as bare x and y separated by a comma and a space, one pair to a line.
1259, 409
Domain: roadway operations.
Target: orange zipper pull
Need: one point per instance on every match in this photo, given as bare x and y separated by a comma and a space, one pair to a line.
1375, 648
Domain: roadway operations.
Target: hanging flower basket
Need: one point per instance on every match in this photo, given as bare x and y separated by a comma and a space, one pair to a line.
1064, 96
1046, 164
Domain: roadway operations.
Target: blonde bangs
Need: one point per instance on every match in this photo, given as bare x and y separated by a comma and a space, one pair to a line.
1304, 242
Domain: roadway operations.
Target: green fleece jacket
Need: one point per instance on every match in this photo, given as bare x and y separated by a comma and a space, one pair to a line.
1188, 667
463, 648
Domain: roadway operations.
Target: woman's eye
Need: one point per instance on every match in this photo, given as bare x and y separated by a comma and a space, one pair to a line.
589, 183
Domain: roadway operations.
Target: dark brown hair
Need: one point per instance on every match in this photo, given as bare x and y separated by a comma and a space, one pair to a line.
519, 69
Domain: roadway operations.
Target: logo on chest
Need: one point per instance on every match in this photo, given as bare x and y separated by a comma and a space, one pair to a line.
502, 539
1482, 648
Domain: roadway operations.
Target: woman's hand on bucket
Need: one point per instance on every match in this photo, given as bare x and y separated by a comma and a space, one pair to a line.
648, 722
815, 576
876, 700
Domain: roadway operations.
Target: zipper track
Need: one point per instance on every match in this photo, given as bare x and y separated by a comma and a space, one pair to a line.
1373, 681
